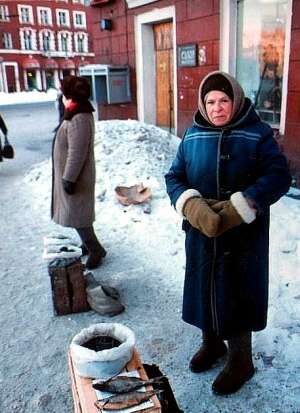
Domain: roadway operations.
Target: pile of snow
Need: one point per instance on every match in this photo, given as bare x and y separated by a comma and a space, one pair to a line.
27, 97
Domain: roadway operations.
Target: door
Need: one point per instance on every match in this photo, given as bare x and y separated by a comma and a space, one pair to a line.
11, 79
163, 36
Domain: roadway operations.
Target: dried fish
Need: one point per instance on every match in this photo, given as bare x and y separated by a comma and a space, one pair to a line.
126, 400
123, 384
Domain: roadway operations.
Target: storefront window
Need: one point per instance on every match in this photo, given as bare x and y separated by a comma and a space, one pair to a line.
261, 26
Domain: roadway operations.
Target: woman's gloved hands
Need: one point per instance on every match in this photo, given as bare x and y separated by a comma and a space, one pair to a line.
228, 215
201, 216
69, 187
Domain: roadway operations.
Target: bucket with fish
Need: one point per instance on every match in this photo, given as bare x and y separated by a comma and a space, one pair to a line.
102, 350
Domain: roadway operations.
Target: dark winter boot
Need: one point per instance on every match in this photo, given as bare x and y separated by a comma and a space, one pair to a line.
211, 350
95, 250
239, 366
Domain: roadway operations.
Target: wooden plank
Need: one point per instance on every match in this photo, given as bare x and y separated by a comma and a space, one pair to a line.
85, 397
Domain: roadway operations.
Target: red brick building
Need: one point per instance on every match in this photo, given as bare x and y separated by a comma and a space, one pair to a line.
41, 41
170, 45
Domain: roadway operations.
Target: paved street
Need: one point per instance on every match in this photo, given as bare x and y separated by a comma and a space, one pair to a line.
30, 129
26, 313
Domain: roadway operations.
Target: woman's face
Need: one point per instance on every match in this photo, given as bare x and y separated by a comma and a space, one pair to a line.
218, 107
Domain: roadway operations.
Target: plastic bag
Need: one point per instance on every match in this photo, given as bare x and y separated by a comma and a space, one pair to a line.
105, 363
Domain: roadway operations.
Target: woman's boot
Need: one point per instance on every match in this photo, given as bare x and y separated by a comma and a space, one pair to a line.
239, 366
95, 250
211, 350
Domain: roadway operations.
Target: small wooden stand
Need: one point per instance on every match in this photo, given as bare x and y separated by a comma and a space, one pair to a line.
68, 288
84, 395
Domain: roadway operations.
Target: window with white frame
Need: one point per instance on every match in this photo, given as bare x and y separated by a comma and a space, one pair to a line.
4, 13
81, 42
259, 55
25, 14
28, 39
62, 17
79, 19
46, 41
44, 16
64, 42
7, 41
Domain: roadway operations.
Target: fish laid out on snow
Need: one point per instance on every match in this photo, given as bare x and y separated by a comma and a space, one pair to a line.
126, 400
123, 384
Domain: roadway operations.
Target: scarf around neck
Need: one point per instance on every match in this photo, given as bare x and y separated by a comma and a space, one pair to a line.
83, 106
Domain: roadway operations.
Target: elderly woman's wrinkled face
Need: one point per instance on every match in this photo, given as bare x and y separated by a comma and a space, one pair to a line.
218, 107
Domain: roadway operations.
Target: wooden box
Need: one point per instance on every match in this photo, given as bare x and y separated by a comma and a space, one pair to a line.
84, 395
68, 286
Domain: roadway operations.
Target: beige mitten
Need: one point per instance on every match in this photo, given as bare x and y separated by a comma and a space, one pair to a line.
201, 216
228, 214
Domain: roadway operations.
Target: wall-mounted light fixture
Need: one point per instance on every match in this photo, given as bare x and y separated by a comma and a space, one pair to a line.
106, 24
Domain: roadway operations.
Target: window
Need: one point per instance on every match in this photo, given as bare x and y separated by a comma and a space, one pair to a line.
62, 17
80, 45
25, 14
79, 19
4, 14
64, 43
261, 28
7, 41
254, 47
81, 42
44, 16
28, 40
46, 41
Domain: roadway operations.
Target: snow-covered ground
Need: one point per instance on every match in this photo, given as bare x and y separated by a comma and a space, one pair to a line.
145, 262
27, 97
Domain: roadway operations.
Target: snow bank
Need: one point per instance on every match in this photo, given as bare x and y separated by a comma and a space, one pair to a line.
27, 97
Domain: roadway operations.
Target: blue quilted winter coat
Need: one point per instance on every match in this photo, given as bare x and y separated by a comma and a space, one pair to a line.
226, 279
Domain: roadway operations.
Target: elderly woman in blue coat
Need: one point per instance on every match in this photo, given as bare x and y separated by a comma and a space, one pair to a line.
227, 172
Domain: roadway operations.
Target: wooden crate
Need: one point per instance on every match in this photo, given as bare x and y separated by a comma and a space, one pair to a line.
84, 395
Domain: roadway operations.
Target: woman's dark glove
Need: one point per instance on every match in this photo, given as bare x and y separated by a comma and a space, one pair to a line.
228, 214
201, 216
69, 187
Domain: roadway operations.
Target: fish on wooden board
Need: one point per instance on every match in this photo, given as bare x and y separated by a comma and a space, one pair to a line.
123, 384
126, 400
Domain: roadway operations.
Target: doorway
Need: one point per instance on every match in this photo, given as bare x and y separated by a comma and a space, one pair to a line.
155, 39
11, 79
163, 43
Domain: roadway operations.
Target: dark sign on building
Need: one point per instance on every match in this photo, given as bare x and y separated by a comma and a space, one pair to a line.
187, 55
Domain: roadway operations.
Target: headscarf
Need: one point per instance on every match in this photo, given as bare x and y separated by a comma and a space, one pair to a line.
222, 81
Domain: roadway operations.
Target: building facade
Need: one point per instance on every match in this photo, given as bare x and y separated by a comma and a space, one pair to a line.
171, 45
42, 41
